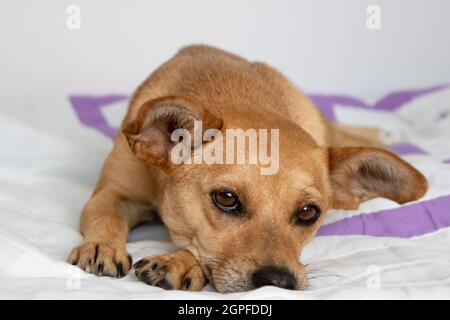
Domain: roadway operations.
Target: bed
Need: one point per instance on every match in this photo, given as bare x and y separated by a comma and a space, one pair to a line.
53, 149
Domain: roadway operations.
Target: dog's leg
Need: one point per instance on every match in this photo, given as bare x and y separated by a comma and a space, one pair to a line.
105, 222
345, 136
179, 270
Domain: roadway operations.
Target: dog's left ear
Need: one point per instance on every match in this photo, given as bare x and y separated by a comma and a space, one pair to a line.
358, 174
149, 135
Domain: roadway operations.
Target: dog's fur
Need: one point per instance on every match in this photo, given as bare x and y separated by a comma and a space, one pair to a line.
330, 165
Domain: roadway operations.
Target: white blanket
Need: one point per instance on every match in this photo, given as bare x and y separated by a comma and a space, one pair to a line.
51, 154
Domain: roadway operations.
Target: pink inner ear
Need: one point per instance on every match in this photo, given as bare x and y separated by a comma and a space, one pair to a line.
154, 142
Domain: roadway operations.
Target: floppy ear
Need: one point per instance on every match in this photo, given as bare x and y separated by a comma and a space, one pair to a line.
149, 135
361, 173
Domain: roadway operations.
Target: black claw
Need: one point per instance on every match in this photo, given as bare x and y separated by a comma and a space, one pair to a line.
96, 253
100, 267
120, 272
140, 264
186, 283
130, 260
164, 284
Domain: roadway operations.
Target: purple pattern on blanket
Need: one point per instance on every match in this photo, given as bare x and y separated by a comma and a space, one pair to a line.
388, 103
406, 149
407, 221
89, 111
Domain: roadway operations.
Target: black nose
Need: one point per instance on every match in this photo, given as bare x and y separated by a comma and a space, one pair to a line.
273, 276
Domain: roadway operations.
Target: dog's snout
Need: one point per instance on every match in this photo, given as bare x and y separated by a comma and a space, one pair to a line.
273, 276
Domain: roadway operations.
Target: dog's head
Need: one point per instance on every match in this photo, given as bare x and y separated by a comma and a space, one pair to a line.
248, 229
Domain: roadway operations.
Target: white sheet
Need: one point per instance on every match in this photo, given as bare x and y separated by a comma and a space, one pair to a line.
49, 164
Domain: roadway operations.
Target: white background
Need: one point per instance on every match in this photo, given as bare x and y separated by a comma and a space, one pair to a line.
322, 45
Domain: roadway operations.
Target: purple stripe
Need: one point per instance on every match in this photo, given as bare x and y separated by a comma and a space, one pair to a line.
407, 149
407, 221
326, 103
446, 161
88, 109
391, 102
395, 100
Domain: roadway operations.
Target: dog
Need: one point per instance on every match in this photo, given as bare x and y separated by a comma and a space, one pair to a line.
235, 227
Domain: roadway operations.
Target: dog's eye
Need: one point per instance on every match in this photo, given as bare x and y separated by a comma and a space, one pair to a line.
226, 201
307, 215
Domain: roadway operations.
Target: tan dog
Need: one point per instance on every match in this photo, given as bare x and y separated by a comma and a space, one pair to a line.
235, 227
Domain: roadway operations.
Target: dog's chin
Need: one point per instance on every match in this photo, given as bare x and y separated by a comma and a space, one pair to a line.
228, 281
236, 274
231, 281
231, 285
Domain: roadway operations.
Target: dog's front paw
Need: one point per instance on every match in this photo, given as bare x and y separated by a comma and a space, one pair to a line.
179, 270
102, 259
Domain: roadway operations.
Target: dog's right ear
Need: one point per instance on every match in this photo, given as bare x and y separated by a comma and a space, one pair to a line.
149, 135
358, 174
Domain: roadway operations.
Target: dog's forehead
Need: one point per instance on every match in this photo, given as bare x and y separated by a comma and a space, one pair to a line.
247, 180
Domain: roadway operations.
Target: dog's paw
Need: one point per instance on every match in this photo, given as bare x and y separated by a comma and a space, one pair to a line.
102, 259
179, 271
